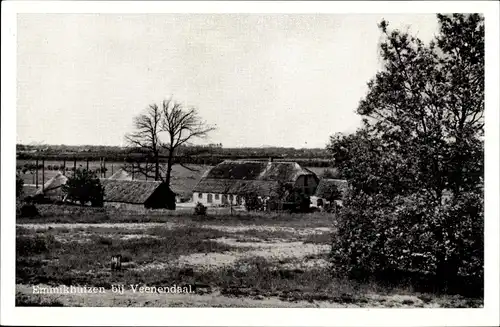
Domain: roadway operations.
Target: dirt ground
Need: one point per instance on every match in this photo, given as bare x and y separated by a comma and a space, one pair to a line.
246, 265
216, 299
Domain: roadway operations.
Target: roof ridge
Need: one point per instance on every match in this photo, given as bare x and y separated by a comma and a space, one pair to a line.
129, 181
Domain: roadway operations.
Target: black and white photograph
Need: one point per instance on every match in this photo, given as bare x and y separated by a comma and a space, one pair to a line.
274, 157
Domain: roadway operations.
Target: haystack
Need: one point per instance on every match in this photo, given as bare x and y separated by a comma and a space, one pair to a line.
121, 175
53, 187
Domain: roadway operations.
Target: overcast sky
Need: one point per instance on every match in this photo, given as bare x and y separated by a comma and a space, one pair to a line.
279, 80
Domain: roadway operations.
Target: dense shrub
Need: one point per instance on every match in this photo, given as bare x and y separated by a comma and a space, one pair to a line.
200, 209
29, 210
28, 245
330, 173
84, 186
253, 202
412, 234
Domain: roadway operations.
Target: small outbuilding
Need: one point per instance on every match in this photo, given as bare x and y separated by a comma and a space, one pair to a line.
137, 193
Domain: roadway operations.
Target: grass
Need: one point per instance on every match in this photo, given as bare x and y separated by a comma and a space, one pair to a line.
51, 213
72, 263
81, 256
42, 259
321, 238
33, 300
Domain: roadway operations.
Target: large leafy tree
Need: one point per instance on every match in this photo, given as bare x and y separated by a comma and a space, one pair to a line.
423, 114
421, 144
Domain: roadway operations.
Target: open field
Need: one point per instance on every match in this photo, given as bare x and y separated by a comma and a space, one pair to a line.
245, 260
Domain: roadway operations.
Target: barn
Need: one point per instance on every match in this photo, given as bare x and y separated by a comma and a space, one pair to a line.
137, 194
228, 181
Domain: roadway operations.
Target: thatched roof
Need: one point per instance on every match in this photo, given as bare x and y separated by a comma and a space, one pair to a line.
121, 175
52, 187
231, 186
257, 170
327, 186
236, 177
135, 192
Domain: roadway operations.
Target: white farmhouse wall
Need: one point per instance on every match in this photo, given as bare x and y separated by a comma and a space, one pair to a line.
215, 199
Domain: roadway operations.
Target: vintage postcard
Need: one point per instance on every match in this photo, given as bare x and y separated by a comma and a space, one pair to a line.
288, 155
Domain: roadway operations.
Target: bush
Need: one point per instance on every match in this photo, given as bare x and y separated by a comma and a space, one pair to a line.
412, 234
200, 209
329, 173
253, 202
28, 245
29, 210
84, 186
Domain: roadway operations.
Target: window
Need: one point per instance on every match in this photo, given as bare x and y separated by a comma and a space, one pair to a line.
230, 197
200, 195
209, 198
217, 196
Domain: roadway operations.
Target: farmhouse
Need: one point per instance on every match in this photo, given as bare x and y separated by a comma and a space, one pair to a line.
327, 190
137, 194
230, 180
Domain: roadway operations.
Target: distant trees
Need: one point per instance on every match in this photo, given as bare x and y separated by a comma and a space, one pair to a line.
84, 186
178, 125
416, 166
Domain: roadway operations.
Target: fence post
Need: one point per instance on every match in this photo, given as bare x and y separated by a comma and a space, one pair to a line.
64, 166
36, 173
43, 175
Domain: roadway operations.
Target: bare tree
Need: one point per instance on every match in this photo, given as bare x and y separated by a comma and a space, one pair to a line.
146, 137
179, 125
